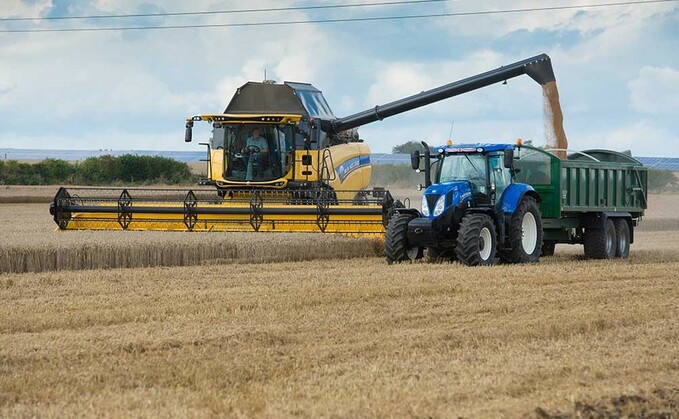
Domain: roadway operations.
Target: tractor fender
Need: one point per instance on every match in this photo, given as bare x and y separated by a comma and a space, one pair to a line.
513, 195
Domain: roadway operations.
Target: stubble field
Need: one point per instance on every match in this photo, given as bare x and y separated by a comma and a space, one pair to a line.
349, 337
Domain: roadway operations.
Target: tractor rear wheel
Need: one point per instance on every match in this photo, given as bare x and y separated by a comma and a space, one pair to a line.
525, 233
600, 243
476, 240
622, 235
396, 247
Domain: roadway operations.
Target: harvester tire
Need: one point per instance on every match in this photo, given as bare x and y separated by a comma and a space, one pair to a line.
622, 238
476, 240
396, 247
548, 248
600, 243
525, 234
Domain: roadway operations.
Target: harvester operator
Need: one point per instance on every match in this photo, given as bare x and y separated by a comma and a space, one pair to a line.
256, 151
257, 141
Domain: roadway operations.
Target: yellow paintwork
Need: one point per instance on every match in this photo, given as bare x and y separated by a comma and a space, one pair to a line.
344, 224
216, 164
359, 178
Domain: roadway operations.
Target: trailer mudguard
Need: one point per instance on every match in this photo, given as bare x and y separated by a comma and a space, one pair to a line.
514, 194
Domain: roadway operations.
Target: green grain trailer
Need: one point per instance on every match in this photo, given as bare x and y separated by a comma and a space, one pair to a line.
595, 197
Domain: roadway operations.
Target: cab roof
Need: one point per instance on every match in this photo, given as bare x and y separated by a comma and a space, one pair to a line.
289, 98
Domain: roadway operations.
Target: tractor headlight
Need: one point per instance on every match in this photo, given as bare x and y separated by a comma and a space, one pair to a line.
440, 205
425, 206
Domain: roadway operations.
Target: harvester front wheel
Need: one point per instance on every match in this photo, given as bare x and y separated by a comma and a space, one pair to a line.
396, 246
525, 233
476, 240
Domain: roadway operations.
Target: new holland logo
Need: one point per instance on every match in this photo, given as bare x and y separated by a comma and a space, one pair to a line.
348, 166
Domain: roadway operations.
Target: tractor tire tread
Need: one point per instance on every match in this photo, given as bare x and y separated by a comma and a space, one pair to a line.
515, 252
621, 230
595, 242
396, 239
467, 248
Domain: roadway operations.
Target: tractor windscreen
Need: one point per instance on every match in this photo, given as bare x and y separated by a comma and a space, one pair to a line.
254, 153
463, 167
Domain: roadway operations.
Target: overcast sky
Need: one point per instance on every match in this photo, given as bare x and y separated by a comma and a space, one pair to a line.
617, 70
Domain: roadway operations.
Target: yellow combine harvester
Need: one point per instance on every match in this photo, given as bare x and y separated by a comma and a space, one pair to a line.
280, 161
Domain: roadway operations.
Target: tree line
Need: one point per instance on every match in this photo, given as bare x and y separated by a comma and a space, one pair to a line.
97, 171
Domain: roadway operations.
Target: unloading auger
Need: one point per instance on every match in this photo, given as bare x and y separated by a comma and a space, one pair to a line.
280, 161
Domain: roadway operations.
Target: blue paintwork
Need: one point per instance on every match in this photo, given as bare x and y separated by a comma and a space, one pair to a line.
512, 196
350, 165
461, 193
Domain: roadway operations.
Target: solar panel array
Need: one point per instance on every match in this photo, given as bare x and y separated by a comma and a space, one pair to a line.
661, 163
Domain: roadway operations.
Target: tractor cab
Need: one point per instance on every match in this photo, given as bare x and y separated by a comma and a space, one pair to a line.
468, 175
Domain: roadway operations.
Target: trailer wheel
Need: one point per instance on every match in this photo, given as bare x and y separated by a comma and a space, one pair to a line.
476, 240
548, 248
525, 234
600, 243
622, 235
396, 247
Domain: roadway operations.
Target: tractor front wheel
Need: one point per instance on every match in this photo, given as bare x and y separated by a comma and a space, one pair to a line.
476, 240
396, 247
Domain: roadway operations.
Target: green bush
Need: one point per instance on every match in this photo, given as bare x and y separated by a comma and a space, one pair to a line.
97, 171
662, 181
408, 147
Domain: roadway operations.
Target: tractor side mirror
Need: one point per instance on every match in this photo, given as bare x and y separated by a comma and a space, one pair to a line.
509, 159
188, 135
415, 159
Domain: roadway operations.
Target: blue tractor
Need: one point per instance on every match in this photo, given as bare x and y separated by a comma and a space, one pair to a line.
473, 211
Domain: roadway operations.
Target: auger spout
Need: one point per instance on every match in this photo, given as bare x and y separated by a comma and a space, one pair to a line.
539, 68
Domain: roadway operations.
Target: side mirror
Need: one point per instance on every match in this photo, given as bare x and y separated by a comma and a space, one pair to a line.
415, 159
509, 159
188, 135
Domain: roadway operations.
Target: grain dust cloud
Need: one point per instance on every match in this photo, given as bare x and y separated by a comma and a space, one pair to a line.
555, 137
